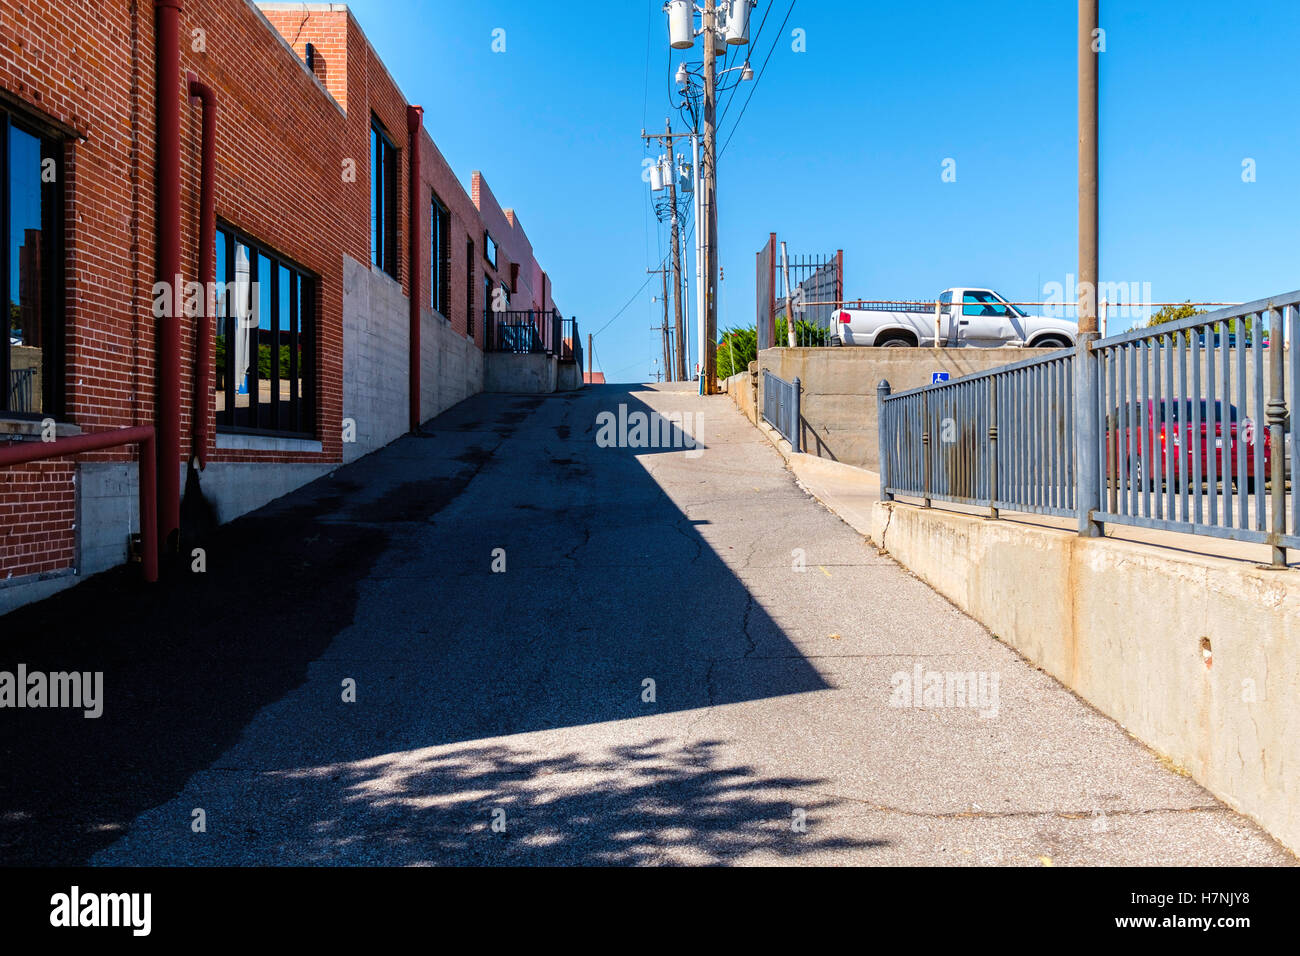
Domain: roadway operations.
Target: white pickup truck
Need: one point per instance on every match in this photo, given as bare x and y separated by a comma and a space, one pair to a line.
975, 318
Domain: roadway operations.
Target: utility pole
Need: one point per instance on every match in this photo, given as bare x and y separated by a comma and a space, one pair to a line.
710, 184
668, 364
677, 253
682, 34
591, 370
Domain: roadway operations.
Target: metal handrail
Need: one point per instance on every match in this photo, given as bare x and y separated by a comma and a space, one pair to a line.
781, 407
26, 452
1181, 427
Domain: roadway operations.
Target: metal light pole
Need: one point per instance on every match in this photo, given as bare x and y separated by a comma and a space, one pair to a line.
1089, 479
1089, 19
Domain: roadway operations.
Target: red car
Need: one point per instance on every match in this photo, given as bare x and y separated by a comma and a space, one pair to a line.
1155, 434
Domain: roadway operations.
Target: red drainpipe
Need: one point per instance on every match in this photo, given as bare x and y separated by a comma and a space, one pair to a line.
167, 410
202, 93
414, 124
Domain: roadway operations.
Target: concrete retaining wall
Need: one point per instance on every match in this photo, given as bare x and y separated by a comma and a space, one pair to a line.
743, 389
1198, 657
526, 374
452, 366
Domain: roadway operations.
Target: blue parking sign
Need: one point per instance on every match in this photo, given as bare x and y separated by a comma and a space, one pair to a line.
937, 377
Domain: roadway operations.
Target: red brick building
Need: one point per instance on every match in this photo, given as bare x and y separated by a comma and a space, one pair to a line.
308, 360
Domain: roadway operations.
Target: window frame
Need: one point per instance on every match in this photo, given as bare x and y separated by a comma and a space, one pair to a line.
53, 398
304, 411
385, 203
440, 257
490, 246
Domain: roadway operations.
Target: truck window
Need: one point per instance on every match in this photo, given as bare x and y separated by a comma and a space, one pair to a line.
982, 303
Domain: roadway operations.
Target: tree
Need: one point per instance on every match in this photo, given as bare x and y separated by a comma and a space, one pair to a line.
1172, 313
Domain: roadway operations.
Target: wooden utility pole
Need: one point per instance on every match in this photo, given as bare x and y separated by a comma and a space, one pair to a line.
668, 363
677, 255
591, 370
709, 185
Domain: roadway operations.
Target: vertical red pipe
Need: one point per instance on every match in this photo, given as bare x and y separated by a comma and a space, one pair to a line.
149, 507
419, 209
167, 409
207, 97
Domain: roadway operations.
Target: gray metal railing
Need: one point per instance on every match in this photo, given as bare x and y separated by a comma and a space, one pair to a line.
1001, 439
781, 407
1182, 427
22, 392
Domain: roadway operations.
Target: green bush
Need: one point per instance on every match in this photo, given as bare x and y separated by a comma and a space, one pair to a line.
736, 349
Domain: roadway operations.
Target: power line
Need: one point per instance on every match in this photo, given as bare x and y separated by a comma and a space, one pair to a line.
780, 33
758, 35
640, 290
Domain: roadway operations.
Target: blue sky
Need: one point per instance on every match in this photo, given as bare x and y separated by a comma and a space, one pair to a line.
842, 146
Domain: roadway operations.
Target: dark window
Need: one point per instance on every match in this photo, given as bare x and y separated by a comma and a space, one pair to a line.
383, 201
469, 287
487, 305
490, 249
266, 334
440, 258
31, 268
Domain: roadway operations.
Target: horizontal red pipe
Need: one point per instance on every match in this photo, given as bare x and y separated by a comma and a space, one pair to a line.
205, 95
22, 453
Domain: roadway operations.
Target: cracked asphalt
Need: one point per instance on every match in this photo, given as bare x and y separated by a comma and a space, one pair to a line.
506, 718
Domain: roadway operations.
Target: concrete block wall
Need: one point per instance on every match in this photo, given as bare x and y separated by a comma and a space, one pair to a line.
531, 374
453, 366
376, 371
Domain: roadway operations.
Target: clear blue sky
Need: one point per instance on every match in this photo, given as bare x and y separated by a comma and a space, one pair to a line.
842, 146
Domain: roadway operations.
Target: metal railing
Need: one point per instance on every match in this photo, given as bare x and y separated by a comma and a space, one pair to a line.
533, 332
519, 332
781, 407
1001, 439
1182, 427
22, 393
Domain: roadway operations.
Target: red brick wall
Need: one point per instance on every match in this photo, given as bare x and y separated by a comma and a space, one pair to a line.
37, 509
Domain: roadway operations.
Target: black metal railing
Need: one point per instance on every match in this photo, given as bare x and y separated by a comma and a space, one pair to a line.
533, 332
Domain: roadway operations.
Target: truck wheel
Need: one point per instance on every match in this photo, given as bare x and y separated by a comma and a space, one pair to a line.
897, 342
1050, 342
